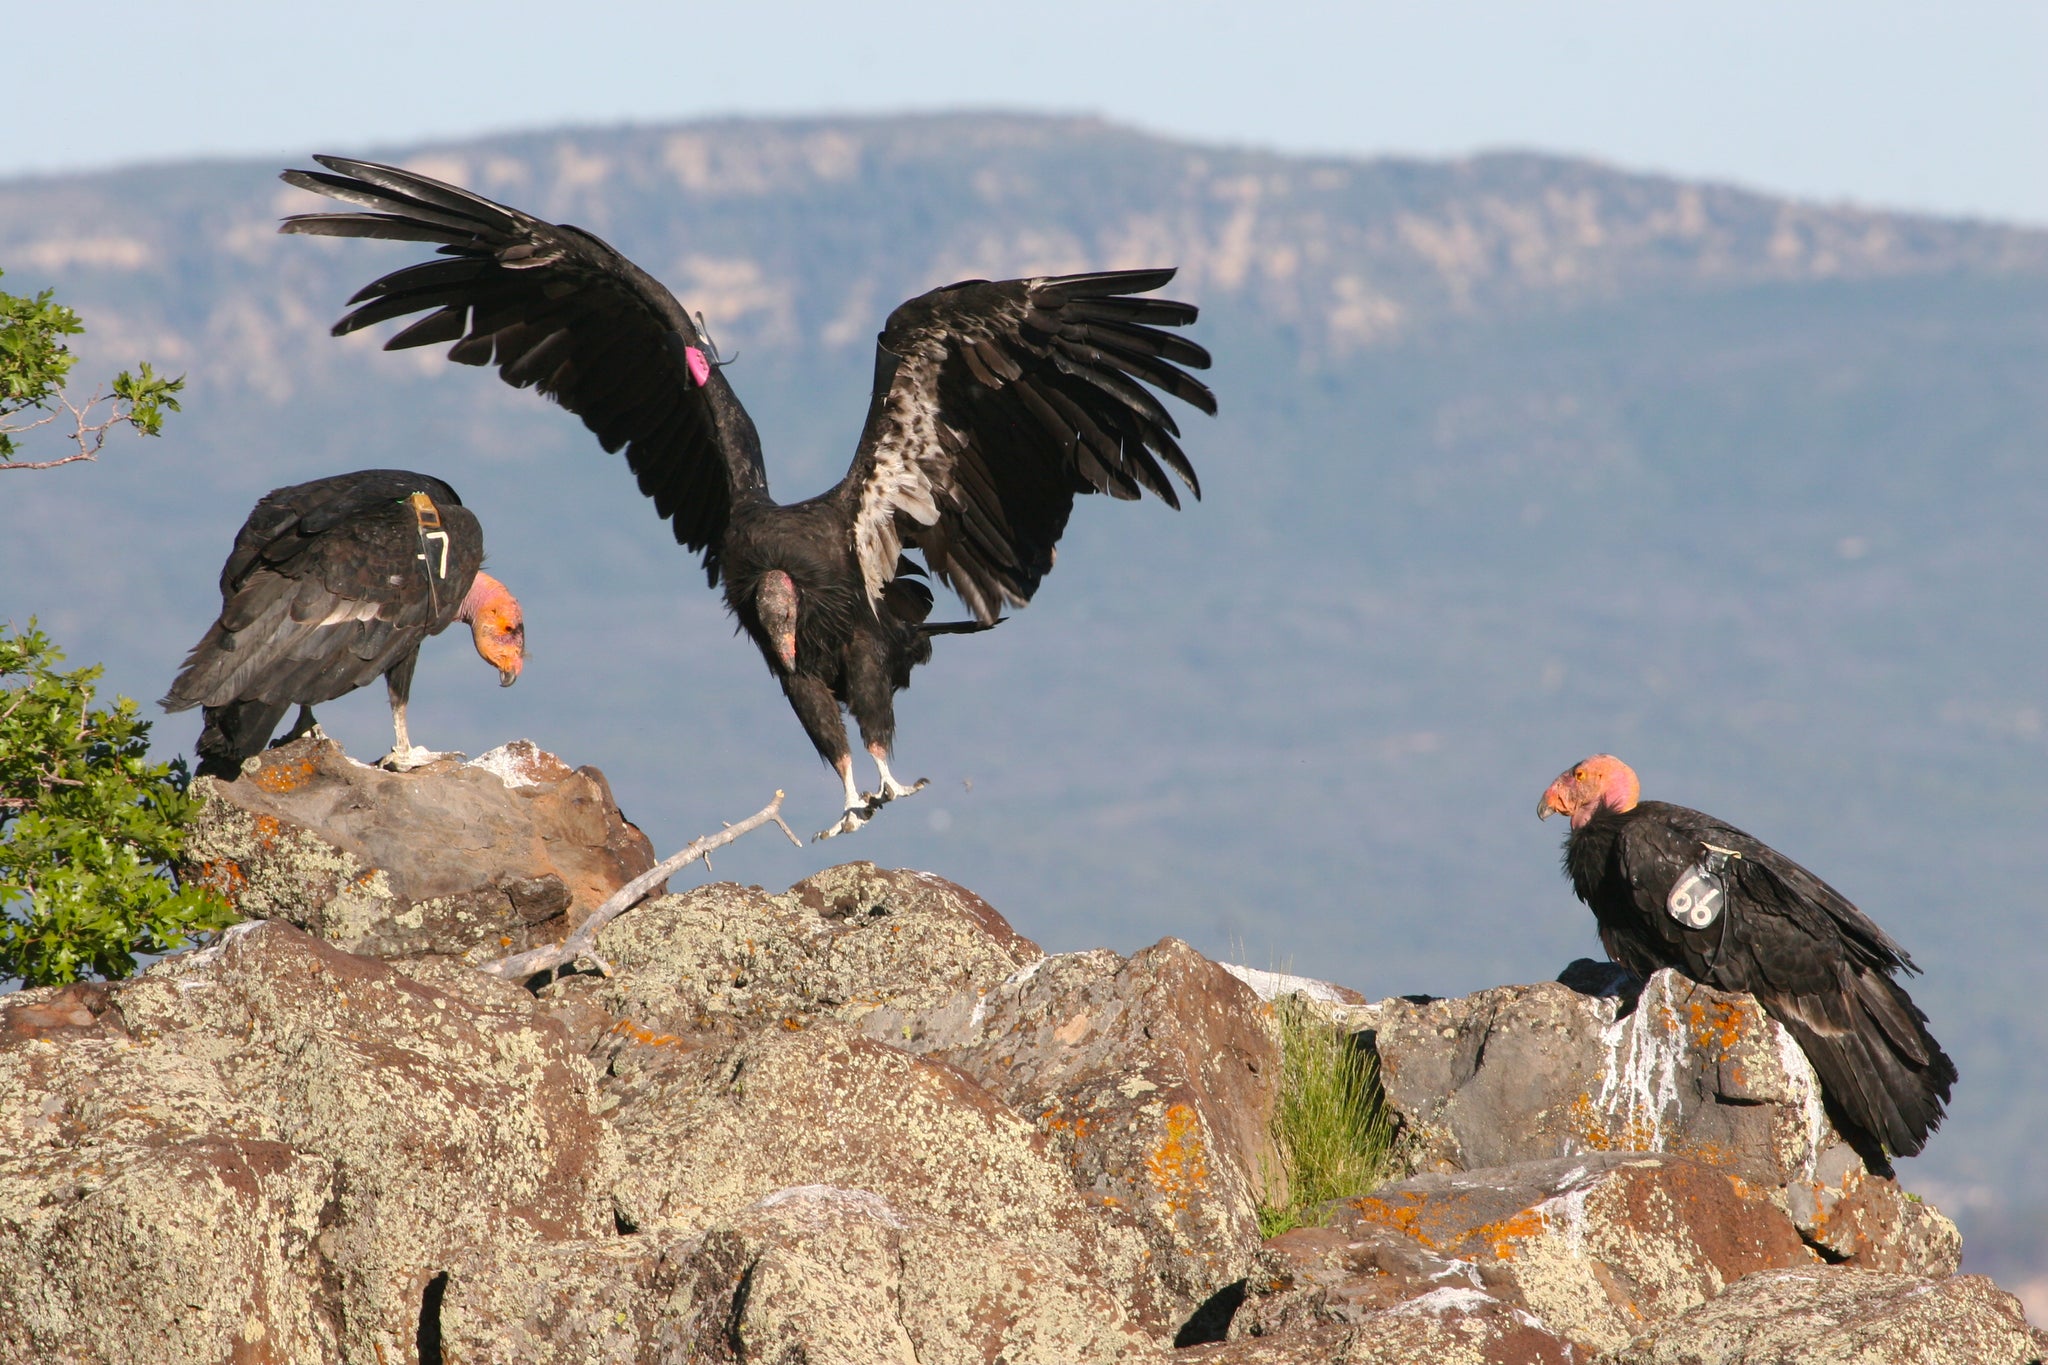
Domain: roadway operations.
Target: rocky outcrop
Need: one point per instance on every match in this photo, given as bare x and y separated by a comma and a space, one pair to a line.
1154, 1076
283, 1143
507, 851
1844, 1317
866, 1120
1525, 1073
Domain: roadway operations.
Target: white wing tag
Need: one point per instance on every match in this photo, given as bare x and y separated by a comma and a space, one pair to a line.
1701, 892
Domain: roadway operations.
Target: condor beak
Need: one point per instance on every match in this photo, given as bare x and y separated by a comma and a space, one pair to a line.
1551, 804
785, 645
507, 676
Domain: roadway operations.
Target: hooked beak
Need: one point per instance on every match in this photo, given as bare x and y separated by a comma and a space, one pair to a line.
1551, 804
507, 676
785, 646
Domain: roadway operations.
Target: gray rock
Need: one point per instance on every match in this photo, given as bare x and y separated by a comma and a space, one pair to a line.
359, 1132
1525, 1073
1843, 1316
494, 856
1154, 1077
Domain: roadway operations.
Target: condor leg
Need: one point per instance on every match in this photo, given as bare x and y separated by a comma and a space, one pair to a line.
818, 709
404, 755
871, 694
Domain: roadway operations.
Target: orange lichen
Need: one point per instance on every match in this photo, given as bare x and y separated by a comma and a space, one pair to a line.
1720, 1024
647, 1036
1503, 1235
284, 777
791, 1025
268, 828
225, 876
1405, 1218
1179, 1166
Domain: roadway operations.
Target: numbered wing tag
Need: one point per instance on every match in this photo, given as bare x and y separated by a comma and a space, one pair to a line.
1701, 892
427, 518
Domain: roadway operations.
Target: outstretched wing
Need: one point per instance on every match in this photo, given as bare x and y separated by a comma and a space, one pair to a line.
556, 309
331, 583
996, 403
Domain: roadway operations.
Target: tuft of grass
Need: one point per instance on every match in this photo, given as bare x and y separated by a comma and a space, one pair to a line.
1331, 1122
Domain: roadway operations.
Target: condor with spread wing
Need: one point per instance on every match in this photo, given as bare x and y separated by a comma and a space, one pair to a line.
331, 585
1671, 887
994, 404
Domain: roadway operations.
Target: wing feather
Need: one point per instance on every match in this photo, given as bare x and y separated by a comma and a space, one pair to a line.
555, 309
995, 404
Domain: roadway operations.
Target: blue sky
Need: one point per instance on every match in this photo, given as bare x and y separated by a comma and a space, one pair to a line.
1935, 107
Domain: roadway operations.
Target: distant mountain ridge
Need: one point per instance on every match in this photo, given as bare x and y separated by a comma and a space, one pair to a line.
1344, 254
1519, 458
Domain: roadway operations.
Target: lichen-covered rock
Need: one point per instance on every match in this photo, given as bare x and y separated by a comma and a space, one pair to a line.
429, 1128
820, 1104
724, 959
1316, 1278
1838, 1315
1524, 1073
497, 855
601, 1301
183, 1253
1155, 1076
1594, 1247
1867, 1221
1451, 1325
823, 1273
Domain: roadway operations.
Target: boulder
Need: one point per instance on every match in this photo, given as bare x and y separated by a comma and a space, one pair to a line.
1154, 1077
1592, 1247
497, 855
1521, 1073
1450, 1325
185, 1253
825, 1273
357, 1131
705, 968
1839, 1315
821, 1104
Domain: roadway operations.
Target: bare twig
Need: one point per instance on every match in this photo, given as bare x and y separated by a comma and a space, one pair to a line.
580, 943
89, 436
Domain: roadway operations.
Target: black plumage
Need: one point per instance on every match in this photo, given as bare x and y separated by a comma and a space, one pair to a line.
1747, 918
331, 585
994, 404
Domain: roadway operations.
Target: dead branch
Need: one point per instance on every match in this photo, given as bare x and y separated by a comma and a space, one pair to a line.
579, 944
89, 436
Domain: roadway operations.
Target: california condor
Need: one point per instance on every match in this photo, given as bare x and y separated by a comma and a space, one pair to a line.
993, 405
1671, 887
332, 584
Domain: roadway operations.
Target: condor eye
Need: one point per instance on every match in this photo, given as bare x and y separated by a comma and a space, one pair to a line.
1578, 775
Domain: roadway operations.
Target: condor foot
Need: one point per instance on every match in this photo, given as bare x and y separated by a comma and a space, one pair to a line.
405, 760
870, 803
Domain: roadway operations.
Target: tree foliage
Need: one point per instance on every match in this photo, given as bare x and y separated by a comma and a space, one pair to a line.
35, 361
89, 827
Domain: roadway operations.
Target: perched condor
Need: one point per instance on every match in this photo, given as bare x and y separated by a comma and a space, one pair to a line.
1671, 887
332, 584
994, 404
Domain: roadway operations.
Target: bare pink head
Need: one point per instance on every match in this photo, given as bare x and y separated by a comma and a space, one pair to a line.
1586, 786
498, 626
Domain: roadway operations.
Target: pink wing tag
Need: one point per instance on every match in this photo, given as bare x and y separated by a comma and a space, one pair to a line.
700, 368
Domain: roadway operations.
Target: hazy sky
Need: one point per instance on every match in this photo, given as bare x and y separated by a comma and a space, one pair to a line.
1939, 107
